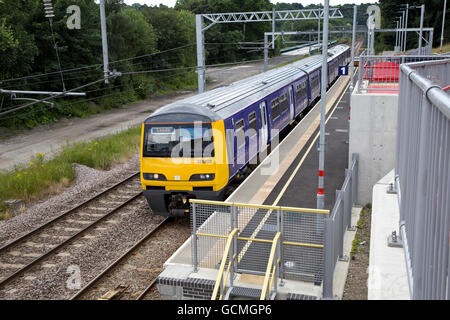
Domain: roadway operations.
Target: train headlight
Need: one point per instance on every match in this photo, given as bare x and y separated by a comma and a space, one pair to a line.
154, 177
202, 177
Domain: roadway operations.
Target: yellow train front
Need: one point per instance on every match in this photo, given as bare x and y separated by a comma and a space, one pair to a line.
182, 157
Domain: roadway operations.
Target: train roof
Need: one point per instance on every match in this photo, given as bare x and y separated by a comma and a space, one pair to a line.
221, 102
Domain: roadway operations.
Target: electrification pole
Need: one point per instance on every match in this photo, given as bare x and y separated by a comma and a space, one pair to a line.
104, 41
443, 23
320, 191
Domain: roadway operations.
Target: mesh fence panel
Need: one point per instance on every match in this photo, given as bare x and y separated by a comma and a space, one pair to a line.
302, 234
302, 262
210, 219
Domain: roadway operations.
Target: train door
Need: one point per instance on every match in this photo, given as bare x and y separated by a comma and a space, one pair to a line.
264, 129
291, 103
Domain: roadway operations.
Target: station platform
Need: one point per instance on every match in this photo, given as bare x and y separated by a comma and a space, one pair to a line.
286, 179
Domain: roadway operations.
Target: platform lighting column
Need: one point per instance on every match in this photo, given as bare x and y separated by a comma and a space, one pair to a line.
320, 193
396, 38
352, 66
402, 27
422, 11
406, 27
443, 23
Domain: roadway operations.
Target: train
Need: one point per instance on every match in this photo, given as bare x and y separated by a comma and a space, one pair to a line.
198, 146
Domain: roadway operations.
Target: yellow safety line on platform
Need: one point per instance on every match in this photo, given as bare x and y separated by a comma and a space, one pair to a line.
294, 173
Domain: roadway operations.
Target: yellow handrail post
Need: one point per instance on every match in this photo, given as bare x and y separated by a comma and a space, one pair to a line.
270, 263
219, 284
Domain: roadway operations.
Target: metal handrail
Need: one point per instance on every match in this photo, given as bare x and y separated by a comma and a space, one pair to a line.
246, 205
270, 263
222, 264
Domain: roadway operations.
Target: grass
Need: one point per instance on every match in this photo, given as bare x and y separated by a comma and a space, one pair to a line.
361, 243
41, 177
289, 62
445, 48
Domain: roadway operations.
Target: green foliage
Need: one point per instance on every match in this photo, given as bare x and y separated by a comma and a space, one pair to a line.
43, 177
390, 11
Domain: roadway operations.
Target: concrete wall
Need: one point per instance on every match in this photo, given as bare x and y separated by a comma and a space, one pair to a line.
373, 132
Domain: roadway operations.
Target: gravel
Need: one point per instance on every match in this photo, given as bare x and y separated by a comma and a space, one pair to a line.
88, 181
356, 284
89, 254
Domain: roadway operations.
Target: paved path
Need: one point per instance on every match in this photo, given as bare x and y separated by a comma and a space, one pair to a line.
49, 139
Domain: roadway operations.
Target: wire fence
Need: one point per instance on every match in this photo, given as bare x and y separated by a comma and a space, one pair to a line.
336, 225
380, 74
311, 240
302, 238
422, 176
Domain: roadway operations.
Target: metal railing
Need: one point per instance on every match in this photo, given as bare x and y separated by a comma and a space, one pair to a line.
422, 177
275, 242
301, 238
381, 73
337, 223
229, 254
273, 270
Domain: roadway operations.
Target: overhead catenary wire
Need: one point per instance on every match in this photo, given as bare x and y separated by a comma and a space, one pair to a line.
94, 65
122, 74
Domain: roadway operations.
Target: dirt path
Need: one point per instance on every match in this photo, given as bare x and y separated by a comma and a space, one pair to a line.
49, 139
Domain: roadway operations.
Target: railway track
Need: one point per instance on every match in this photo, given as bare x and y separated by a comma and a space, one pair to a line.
27, 251
134, 273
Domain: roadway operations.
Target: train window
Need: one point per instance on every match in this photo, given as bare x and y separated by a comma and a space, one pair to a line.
252, 124
304, 89
283, 102
240, 134
275, 108
298, 94
301, 91
315, 81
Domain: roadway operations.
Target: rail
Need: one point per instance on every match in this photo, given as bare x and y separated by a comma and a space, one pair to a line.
422, 177
272, 272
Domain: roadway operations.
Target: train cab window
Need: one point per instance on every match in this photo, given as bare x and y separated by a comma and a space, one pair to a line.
275, 108
283, 102
178, 140
252, 124
240, 134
